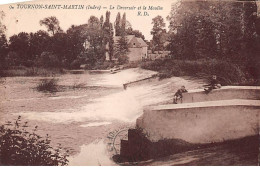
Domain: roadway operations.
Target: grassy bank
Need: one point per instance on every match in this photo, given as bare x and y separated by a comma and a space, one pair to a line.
31, 71
228, 73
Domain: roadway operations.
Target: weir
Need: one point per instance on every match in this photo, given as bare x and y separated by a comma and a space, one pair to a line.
225, 114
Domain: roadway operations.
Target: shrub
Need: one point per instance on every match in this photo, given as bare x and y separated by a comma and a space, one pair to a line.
23, 148
75, 64
48, 85
48, 60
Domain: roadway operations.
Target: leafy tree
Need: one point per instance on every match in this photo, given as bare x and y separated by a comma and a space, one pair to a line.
95, 37
39, 42
3, 42
59, 45
157, 31
48, 60
137, 33
216, 29
3, 51
52, 24
75, 42
121, 49
108, 35
101, 20
123, 25
118, 24
2, 26
18, 147
21, 45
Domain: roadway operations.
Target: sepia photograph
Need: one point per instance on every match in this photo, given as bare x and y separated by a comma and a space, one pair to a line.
130, 83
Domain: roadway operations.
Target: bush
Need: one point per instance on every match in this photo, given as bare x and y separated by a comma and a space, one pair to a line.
75, 64
18, 147
48, 85
48, 60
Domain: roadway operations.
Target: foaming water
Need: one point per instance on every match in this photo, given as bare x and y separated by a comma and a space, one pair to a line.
123, 105
95, 124
126, 105
94, 154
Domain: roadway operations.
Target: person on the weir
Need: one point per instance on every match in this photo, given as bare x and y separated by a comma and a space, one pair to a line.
214, 84
178, 95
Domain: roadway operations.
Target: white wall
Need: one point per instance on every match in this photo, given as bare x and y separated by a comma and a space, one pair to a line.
203, 124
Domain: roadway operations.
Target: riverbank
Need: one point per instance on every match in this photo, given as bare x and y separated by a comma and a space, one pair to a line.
228, 73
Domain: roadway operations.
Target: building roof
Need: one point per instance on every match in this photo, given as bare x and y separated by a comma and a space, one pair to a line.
142, 42
130, 37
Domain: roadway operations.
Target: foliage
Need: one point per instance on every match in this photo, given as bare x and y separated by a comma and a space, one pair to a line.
121, 50
20, 44
215, 29
3, 51
75, 64
52, 24
228, 73
48, 60
157, 31
48, 85
117, 24
95, 36
31, 71
2, 26
137, 33
18, 147
108, 35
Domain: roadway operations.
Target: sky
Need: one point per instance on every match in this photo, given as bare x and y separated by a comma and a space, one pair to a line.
27, 20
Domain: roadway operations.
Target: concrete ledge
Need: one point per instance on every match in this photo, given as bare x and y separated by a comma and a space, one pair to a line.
218, 103
224, 93
203, 122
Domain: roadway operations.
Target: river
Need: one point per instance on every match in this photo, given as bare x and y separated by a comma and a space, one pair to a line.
87, 108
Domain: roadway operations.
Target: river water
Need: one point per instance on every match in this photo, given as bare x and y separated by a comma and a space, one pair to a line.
87, 108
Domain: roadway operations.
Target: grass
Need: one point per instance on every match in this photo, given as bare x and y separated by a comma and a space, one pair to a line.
227, 73
48, 85
32, 71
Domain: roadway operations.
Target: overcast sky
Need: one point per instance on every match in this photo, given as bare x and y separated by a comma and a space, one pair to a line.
27, 20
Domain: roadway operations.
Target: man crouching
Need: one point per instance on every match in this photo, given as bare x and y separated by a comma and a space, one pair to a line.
178, 95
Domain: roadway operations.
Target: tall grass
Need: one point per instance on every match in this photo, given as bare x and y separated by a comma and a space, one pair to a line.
32, 71
228, 73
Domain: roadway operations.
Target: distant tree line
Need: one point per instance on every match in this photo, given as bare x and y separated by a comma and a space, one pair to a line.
84, 44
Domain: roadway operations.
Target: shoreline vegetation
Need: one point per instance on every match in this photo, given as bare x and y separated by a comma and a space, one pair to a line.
228, 73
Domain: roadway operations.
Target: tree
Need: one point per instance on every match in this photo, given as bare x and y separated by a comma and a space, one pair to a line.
2, 26
20, 44
118, 25
75, 42
59, 46
137, 33
108, 35
95, 37
39, 42
216, 29
3, 42
52, 24
121, 49
123, 25
101, 20
158, 31
3, 51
